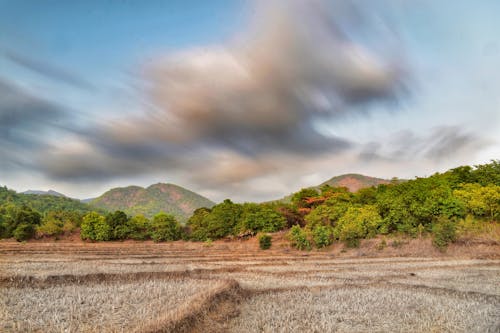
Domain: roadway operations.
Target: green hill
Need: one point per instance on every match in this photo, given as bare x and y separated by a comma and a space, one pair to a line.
168, 198
42, 202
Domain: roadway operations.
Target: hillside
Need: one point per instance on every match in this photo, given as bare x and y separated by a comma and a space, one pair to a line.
42, 202
168, 198
354, 181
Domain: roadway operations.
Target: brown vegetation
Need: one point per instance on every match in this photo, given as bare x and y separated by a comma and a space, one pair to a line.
406, 286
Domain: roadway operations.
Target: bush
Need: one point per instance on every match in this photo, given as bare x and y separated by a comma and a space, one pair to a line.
265, 241
382, 245
444, 233
23, 232
298, 238
322, 236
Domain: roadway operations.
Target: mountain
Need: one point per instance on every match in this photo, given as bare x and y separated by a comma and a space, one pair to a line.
49, 192
354, 181
149, 201
42, 203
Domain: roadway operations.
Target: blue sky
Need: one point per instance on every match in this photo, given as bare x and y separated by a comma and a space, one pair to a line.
243, 99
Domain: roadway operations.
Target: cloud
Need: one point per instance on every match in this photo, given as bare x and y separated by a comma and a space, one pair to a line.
24, 119
223, 115
439, 144
48, 70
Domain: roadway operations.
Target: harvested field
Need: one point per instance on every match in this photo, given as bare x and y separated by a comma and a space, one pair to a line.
187, 287
104, 307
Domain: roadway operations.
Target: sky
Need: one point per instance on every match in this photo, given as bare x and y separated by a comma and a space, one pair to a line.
248, 100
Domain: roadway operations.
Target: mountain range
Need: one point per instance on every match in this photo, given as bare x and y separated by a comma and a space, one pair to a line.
168, 198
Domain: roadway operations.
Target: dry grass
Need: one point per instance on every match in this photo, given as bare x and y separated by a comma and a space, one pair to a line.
370, 309
185, 287
107, 307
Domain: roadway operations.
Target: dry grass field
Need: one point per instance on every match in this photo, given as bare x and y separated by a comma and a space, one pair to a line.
71, 286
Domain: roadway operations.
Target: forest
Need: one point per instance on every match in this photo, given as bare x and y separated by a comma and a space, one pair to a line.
445, 205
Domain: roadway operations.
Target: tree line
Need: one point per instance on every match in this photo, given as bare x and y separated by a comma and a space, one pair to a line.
463, 198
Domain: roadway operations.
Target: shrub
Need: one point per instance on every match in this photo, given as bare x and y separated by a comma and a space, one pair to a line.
444, 233
298, 238
265, 241
322, 236
382, 245
350, 233
24, 231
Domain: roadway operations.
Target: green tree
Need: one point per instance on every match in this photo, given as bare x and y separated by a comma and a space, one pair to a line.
55, 223
359, 222
20, 218
481, 201
487, 174
223, 219
258, 217
198, 224
118, 223
24, 231
94, 227
138, 227
165, 227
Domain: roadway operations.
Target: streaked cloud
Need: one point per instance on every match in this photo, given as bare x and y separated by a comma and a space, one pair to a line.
48, 70
245, 107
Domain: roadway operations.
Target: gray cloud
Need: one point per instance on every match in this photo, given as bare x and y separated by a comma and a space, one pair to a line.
24, 119
439, 144
229, 113
48, 70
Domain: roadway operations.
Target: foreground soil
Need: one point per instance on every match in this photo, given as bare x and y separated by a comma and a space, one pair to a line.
386, 285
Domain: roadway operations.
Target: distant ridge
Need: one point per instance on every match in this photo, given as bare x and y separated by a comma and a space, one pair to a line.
149, 201
49, 192
354, 181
